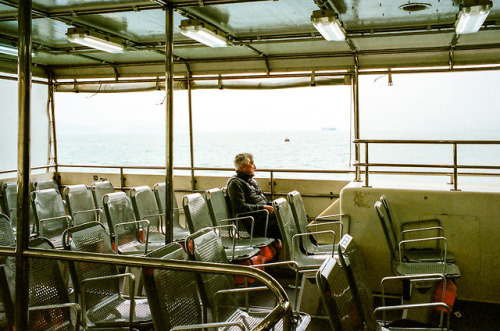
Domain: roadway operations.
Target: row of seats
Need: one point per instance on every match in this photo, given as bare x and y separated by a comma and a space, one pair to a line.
174, 298
210, 241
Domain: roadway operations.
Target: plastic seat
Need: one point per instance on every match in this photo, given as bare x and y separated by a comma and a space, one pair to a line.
81, 205
415, 229
198, 217
399, 264
43, 184
309, 245
9, 194
206, 246
145, 208
180, 232
103, 305
124, 227
50, 215
221, 215
347, 297
49, 306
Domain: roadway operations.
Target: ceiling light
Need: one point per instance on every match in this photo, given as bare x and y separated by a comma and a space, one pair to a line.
196, 29
94, 40
9, 50
328, 25
471, 18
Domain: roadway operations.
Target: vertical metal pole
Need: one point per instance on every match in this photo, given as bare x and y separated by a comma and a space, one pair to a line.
355, 94
169, 89
122, 179
53, 128
455, 167
366, 165
191, 144
272, 185
23, 164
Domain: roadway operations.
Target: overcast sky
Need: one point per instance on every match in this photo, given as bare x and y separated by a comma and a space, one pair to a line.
416, 104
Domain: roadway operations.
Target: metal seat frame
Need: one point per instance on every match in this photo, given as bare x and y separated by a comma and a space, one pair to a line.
299, 214
50, 215
198, 217
124, 227
103, 305
402, 267
49, 305
81, 205
218, 290
180, 233
221, 215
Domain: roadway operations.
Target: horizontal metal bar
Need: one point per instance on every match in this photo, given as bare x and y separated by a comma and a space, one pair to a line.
206, 169
417, 165
135, 261
34, 168
424, 142
404, 165
335, 74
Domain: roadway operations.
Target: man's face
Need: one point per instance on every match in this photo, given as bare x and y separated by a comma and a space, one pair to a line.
248, 169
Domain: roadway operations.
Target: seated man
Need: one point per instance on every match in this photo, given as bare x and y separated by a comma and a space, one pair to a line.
246, 195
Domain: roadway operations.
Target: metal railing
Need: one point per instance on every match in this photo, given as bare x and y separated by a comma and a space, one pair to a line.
455, 166
272, 172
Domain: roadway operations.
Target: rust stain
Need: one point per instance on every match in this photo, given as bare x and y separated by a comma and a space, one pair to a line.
360, 200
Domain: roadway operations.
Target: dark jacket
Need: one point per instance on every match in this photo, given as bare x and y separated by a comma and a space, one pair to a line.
245, 194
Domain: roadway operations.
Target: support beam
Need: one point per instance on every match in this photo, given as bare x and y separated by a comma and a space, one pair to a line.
191, 133
355, 95
169, 90
23, 165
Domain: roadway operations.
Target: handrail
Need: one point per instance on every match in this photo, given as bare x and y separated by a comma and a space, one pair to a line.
455, 166
282, 309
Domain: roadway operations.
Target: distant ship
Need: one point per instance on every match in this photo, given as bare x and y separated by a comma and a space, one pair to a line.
328, 129
287, 139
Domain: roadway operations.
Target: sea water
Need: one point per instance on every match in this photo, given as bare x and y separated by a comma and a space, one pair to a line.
304, 150
314, 150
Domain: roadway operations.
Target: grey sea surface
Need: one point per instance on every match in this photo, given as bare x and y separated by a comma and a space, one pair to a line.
305, 150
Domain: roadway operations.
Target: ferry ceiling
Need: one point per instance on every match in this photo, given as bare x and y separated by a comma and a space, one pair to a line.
259, 39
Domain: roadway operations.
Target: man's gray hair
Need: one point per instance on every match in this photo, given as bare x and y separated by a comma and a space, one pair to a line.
241, 159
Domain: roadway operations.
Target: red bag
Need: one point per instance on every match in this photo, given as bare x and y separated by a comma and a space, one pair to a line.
450, 294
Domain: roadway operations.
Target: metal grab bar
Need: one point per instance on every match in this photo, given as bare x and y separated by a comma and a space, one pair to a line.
282, 310
455, 166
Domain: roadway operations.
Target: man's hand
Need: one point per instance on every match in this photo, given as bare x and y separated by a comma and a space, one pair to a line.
270, 209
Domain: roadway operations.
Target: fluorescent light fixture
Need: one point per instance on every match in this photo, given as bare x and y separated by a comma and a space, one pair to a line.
94, 40
471, 18
9, 50
196, 29
328, 25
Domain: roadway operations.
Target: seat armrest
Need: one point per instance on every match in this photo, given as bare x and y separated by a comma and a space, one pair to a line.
438, 228
443, 239
326, 223
443, 305
260, 211
136, 222
54, 219
296, 237
233, 227
237, 221
98, 279
98, 212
